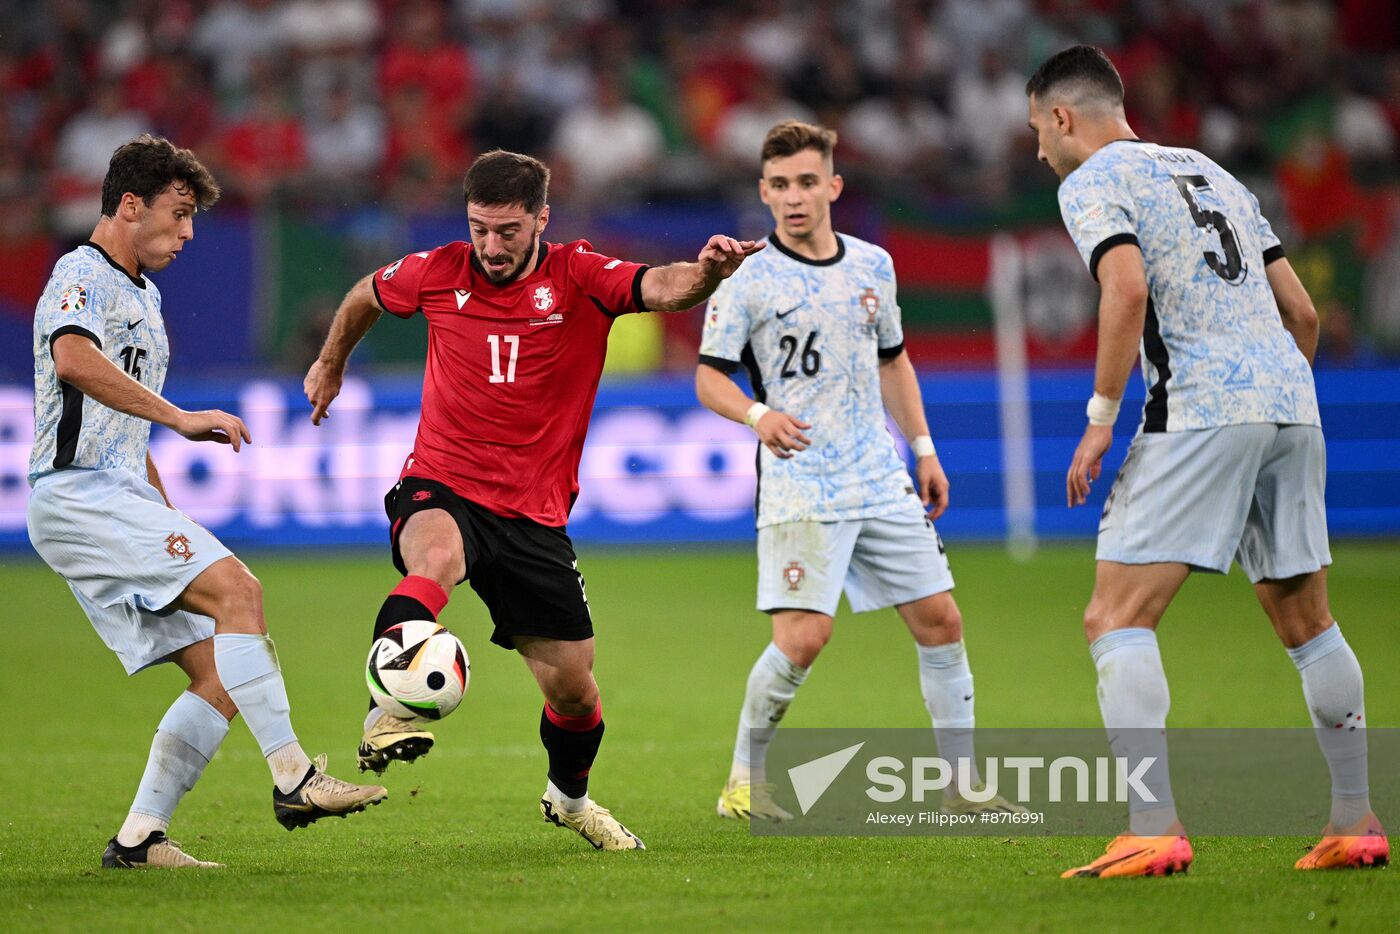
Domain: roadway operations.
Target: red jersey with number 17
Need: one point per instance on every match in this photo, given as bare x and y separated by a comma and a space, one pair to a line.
512, 370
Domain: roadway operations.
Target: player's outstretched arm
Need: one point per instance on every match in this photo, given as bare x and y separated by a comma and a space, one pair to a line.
1122, 313
780, 432
684, 285
353, 319
899, 389
79, 363
1294, 306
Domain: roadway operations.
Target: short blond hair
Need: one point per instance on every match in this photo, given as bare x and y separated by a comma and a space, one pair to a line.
792, 136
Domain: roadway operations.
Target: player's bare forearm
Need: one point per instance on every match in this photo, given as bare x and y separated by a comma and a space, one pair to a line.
358, 312
680, 286
79, 363
899, 389
1295, 306
781, 433
720, 394
1122, 314
153, 478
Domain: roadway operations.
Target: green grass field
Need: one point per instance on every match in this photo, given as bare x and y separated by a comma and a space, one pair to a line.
460, 845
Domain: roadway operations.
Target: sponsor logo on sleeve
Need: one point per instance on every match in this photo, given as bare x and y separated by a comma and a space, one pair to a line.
73, 299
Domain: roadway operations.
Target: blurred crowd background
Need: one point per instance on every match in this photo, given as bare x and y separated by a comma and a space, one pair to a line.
340, 130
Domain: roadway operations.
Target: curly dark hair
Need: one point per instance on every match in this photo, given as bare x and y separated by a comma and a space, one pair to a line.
147, 166
500, 177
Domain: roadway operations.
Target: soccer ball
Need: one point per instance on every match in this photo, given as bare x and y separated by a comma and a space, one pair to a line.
417, 670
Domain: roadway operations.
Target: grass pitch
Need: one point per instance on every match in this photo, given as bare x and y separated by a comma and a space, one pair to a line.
460, 845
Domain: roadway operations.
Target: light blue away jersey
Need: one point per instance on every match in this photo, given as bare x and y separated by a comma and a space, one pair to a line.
1214, 349
811, 335
88, 294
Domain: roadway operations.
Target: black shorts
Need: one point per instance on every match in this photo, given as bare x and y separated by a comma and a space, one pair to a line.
525, 573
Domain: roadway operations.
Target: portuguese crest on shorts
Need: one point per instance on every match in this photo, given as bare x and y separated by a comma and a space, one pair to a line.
543, 298
793, 574
177, 545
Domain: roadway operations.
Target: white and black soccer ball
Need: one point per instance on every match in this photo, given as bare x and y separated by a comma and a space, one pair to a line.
417, 670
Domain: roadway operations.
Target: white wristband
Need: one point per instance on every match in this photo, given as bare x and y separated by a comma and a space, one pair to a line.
922, 446
755, 412
1102, 410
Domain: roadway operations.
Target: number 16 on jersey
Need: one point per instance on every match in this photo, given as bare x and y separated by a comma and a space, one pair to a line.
512, 342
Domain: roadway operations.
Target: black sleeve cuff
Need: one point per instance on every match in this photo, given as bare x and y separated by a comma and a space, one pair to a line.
637, 289
1105, 246
889, 353
719, 363
1273, 253
73, 329
374, 284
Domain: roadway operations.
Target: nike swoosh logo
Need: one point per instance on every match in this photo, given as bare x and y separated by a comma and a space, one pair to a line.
784, 314
132, 324
462, 296
967, 697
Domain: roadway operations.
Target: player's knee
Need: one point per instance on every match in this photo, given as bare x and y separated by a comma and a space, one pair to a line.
942, 623
802, 644
439, 561
240, 601
574, 700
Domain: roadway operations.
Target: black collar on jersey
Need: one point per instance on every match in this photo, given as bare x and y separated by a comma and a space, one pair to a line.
137, 281
1128, 139
829, 261
476, 264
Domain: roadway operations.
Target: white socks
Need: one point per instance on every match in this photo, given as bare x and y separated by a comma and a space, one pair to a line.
772, 684
187, 738
570, 805
248, 668
1333, 689
946, 683
1134, 701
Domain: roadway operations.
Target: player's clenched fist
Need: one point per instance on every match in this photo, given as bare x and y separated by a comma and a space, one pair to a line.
722, 255
781, 433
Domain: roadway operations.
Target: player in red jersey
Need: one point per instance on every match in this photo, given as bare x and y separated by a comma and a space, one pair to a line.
517, 334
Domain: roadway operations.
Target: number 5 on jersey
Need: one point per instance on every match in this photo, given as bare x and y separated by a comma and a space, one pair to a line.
512, 341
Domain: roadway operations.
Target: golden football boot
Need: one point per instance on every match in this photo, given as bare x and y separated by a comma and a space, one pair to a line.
157, 851
391, 739
320, 795
750, 801
595, 824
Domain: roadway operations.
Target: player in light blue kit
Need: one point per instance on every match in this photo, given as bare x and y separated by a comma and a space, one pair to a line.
816, 322
157, 586
1228, 463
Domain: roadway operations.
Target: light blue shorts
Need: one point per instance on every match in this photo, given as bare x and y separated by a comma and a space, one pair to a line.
127, 556
1251, 493
879, 562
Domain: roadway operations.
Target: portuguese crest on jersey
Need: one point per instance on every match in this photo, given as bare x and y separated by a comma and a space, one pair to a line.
793, 575
543, 298
870, 301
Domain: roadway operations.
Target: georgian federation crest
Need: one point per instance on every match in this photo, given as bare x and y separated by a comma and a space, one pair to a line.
177, 545
793, 574
543, 298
